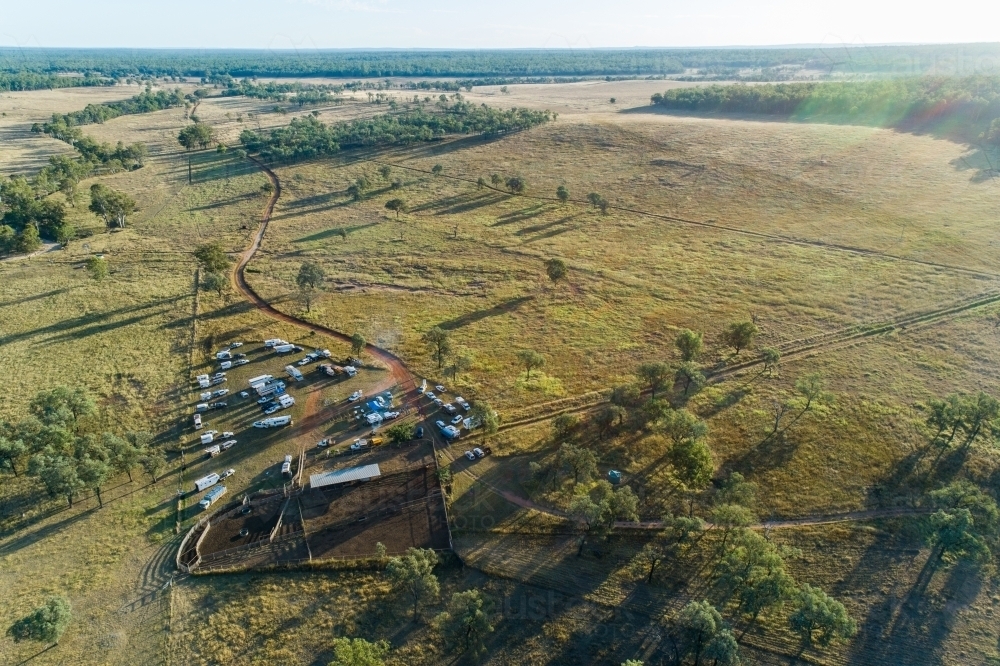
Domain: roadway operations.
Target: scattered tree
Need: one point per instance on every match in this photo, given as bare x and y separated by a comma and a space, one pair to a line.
689, 344
598, 201
45, 624
413, 575
739, 335
385, 171
691, 376
480, 183
562, 194
466, 623
439, 342
309, 279
400, 433
556, 269
965, 523
460, 363
152, 463
698, 624
437, 169
516, 185
212, 257
358, 344
93, 474
771, 357
110, 205
214, 282
358, 652
531, 360
97, 267
397, 206
197, 135
11, 451
579, 460
820, 619
655, 375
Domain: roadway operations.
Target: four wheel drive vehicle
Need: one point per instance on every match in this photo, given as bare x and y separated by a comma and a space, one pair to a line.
263, 401
462, 403
273, 422
212, 432
240, 361
234, 345
218, 374
419, 432
288, 458
207, 395
450, 408
213, 451
305, 360
422, 388
197, 421
228, 473
479, 452
284, 349
228, 444
218, 380
439, 402
223, 355
244, 394
286, 469
226, 365
272, 409
325, 442
350, 371
440, 389
388, 416
430, 395
354, 397
219, 393
239, 355
360, 444
440, 424
273, 342
470, 455
487, 450
374, 418
227, 434
218, 405
201, 407
458, 419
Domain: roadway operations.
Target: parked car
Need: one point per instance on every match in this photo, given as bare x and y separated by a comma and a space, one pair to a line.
227, 433
239, 355
440, 424
219, 393
218, 374
228, 444
234, 345
390, 415
356, 396
419, 432
440, 389
240, 361
218, 405
323, 443
263, 401
359, 444
272, 409
458, 419
430, 395
244, 394
207, 395
450, 408
470, 455
462, 403
228, 473
479, 452
325, 353
439, 402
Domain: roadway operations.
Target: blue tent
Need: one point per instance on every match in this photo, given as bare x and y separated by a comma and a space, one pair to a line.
614, 476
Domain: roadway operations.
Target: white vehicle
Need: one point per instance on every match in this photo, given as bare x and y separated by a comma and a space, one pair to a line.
273, 342
354, 397
244, 394
204, 381
440, 389
323, 443
206, 482
440, 424
286, 400
226, 365
228, 444
293, 372
201, 407
240, 361
286, 469
439, 402
360, 444
208, 437
374, 418
197, 421
471, 423
260, 380
213, 451
272, 409
455, 421
470, 455
218, 393
223, 355
227, 434
462, 403
325, 353
288, 458
350, 370
273, 422
207, 395
479, 452
284, 349
305, 360
234, 345
219, 380
450, 408
430, 395
218, 374
388, 416
228, 473
423, 387
211, 496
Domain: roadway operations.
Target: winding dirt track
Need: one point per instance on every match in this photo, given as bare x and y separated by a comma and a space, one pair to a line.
400, 375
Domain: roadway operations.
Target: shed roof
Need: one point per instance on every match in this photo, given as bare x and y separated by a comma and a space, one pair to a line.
338, 476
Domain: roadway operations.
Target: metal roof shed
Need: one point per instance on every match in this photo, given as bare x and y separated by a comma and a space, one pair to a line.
339, 476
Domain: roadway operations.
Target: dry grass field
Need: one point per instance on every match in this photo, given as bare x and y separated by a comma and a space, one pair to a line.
812, 229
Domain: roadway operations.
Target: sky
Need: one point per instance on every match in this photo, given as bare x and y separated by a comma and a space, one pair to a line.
324, 24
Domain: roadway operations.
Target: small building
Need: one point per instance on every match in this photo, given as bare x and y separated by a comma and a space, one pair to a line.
339, 476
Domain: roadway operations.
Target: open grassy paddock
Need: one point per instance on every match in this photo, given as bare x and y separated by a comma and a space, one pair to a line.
814, 230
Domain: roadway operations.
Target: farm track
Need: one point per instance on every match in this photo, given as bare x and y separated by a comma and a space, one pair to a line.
803, 347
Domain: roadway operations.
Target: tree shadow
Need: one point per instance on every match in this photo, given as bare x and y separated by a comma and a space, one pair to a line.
522, 215
506, 307
327, 233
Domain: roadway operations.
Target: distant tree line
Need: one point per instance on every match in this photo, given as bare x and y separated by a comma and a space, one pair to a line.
145, 102
21, 80
962, 108
307, 137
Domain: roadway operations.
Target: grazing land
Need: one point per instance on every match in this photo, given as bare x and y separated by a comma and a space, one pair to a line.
865, 256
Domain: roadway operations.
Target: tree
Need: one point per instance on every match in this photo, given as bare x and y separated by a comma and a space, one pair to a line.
358, 652
812, 388
579, 460
93, 474
480, 183
588, 513
397, 206
556, 269
212, 257
8, 239
214, 282
47, 623
771, 357
980, 412
400, 433
11, 451
739, 335
358, 344
947, 417
531, 360
486, 416
965, 523
460, 363
496, 180
97, 267
723, 649
818, 618
385, 171
516, 185
440, 344
698, 623
690, 375
597, 201
28, 240
466, 623
562, 194
110, 205
437, 169
309, 279
689, 344
62, 406
196, 135
58, 474
729, 517
413, 575
654, 374
152, 463
355, 192
650, 557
